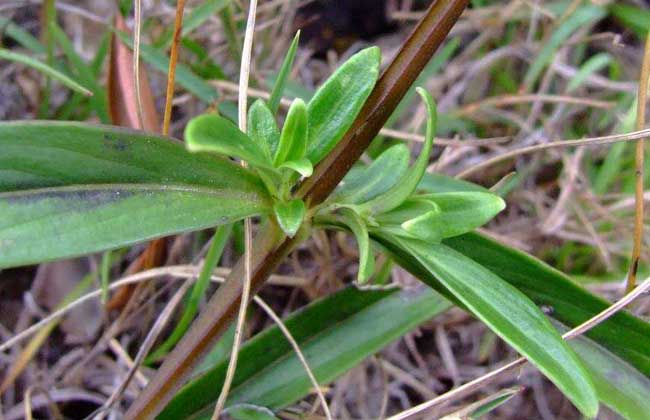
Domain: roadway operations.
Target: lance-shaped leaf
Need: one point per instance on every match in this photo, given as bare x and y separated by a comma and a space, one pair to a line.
263, 129
623, 334
358, 227
68, 189
409, 182
355, 323
363, 183
619, 386
459, 212
290, 215
512, 316
216, 134
293, 140
283, 75
338, 101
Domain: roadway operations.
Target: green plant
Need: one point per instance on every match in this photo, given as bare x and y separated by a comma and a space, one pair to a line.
70, 188
116, 193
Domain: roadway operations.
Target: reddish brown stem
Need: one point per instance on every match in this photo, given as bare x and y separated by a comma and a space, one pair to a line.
271, 246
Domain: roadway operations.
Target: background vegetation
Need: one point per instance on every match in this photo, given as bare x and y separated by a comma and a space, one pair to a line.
513, 81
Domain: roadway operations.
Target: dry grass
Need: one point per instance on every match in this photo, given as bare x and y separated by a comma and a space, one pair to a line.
494, 126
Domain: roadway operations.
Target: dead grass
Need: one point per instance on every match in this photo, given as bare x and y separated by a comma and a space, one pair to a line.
494, 127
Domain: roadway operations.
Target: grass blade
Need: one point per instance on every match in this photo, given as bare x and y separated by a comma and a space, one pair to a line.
45, 69
283, 75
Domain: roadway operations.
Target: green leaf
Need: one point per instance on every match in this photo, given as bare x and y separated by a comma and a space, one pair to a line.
216, 134
583, 16
512, 316
355, 323
592, 65
439, 59
409, 182
22, 36
45, 69
482, 407
623, 334
436, 183
293, 139
263, 129
338, 101
201, 13
98, 99
363, 183
459, 212
619, 386
609, 171
283, 75
358, 228
411, 208
302, 166
290, 215
68, 189
221, 350
247, 412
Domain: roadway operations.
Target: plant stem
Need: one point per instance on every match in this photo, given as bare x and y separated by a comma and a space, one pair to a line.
271, 246
638, 168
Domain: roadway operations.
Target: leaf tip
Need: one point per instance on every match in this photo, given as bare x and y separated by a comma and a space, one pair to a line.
290, 216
